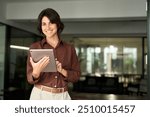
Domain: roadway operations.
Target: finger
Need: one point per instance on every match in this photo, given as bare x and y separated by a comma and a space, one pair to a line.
43, 59
59, 67
31, 60
57, 62
45, 62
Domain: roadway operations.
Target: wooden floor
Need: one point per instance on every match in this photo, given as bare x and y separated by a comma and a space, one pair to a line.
96, 96
24, 95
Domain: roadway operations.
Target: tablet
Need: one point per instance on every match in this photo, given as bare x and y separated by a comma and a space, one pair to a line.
37, 54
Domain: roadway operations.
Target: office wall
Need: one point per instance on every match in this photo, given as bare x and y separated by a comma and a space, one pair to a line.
4, 20
78, 9
81, 17
106, 28
2, 10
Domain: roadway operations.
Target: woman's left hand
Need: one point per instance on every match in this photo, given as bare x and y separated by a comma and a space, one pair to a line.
59, 66
60, 69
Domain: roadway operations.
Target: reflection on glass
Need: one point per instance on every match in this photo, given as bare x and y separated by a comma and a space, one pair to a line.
19, 45
130, 60
2, 58
110, 54
120, 56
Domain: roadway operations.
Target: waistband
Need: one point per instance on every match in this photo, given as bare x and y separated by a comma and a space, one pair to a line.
51, 89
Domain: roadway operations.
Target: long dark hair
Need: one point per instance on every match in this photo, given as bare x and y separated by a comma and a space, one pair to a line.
53, 16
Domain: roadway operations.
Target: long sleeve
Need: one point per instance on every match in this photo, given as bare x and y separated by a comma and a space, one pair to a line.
29, 71
74, 71
66, 55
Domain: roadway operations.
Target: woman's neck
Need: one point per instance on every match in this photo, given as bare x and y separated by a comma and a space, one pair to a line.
53, 41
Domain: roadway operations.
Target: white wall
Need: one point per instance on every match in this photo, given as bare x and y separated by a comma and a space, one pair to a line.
3, 19
74, 11
78, 9
2, 10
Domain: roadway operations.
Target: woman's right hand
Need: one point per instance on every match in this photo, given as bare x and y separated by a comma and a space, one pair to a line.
39, 66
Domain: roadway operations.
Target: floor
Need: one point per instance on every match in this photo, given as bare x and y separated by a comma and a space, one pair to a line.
23, 95
96, 96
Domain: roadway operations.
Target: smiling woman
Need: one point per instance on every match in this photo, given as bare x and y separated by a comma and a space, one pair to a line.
49, 29
52, 85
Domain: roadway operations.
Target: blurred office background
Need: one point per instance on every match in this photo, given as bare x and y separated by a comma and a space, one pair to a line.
110, 37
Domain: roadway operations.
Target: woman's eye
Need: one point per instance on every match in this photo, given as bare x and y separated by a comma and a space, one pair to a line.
43, 24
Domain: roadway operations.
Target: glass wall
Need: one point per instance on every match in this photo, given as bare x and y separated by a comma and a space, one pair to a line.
110, 55
18, 86
120, 59
97, 56
2, 58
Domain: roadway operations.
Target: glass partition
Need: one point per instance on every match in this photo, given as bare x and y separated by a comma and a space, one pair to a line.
18, 86
2, 58
120, 59
110, 55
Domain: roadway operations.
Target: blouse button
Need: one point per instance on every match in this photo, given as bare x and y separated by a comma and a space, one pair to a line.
55, 86
55, 76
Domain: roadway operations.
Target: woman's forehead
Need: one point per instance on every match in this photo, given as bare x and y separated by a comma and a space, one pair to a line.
45, 19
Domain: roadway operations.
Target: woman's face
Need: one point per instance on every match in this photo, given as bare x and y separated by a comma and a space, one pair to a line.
48, 28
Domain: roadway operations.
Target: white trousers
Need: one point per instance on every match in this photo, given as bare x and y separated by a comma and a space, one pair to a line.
38, 94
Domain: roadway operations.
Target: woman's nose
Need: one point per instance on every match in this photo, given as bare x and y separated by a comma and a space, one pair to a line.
47, 26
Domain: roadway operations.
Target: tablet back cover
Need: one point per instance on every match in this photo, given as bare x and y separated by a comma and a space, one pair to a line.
38, 54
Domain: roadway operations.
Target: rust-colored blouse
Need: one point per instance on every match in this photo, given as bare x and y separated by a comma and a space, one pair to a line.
65, 54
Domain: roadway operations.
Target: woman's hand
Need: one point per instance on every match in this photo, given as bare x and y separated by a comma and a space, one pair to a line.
60, 69
39, 66
58, 66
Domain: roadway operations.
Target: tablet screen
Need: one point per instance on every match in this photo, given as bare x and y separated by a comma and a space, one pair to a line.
38, 54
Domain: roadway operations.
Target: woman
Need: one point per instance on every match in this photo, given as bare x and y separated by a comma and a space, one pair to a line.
52, 85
